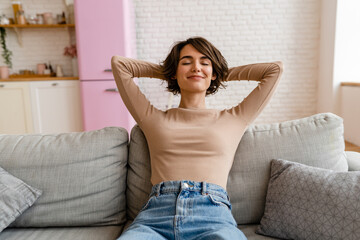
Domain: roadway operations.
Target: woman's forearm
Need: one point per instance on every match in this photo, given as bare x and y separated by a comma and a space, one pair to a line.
255, 72
138, 68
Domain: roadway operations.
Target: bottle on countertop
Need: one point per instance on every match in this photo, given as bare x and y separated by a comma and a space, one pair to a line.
51, 68
59, 71
52, 72
47, 70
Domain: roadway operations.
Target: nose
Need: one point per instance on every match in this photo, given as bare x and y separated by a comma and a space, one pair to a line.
196, 67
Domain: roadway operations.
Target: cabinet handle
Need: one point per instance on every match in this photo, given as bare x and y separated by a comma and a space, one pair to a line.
2, 85
108, 70
54, 84
112, 90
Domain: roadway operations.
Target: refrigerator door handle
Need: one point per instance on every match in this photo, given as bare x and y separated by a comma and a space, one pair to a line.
112, 90
108, 70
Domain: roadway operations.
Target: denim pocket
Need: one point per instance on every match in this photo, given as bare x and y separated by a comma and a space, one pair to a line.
147, 204
219, 201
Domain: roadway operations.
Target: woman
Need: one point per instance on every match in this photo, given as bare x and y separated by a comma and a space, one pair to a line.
191, 148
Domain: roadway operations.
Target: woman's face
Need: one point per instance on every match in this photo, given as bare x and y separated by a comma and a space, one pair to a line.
194, 72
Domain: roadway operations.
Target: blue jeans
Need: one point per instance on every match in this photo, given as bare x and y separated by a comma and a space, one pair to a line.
185, 210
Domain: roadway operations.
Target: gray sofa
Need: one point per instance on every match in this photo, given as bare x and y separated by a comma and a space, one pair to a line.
94, 183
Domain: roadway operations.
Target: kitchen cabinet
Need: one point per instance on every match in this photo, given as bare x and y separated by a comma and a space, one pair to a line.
103, 29
56, 106
40, 107
15, 108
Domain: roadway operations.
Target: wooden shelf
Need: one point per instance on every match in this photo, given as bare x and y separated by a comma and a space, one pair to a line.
18, 27
351, 147
354, 84
37, 25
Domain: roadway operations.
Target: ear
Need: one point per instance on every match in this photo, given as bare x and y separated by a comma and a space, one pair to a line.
213, 77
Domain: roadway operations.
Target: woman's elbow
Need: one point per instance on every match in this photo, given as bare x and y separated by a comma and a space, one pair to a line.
280, 66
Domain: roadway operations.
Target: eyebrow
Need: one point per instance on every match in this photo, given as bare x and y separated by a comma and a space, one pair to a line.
190, 57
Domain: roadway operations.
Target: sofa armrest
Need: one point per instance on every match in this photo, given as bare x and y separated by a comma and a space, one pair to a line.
353, 159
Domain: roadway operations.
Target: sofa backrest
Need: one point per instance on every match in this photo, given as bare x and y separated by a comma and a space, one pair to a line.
316, 141
82, 176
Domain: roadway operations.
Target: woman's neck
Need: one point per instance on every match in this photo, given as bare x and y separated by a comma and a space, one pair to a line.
192, 101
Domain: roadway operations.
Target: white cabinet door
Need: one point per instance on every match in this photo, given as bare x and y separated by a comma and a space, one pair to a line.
15, 108
56, 106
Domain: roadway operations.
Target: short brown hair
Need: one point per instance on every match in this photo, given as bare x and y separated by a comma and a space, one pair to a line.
219, 64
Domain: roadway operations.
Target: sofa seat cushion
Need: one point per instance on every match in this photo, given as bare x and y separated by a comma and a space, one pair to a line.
316, 141
249, 231
82, 176
78, 233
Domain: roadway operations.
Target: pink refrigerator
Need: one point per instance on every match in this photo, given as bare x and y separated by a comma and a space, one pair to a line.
103, 29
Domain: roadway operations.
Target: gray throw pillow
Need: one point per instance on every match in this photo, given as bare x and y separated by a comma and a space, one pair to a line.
15, 197
306, 202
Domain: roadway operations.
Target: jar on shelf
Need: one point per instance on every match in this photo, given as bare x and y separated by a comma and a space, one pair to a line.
48, 18
16, 5
21, 17
39, 18
4, 20
32, 19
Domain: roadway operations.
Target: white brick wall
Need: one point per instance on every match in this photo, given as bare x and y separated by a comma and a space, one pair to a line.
245, 31
40, 45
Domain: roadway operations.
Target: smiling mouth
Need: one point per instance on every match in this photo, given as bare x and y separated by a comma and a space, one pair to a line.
196, 77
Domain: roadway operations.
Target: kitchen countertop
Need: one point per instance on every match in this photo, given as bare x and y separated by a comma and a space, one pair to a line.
38, 79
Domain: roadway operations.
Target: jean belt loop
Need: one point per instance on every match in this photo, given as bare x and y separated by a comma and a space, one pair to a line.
203, 190
158, 189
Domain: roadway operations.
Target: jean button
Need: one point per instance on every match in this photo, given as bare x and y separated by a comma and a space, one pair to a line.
186, 185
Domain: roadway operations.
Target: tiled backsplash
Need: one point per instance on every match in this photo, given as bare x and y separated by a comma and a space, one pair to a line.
40, 45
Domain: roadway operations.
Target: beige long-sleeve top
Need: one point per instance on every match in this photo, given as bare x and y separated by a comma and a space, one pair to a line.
193, 144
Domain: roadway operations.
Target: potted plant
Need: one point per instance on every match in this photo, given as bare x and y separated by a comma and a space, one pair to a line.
71, 52
6, 53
